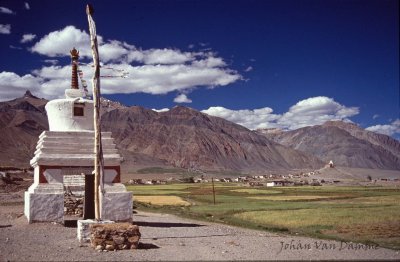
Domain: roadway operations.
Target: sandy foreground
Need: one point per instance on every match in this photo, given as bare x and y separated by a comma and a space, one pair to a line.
167, 237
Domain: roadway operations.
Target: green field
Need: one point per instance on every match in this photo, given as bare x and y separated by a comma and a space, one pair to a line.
359, 214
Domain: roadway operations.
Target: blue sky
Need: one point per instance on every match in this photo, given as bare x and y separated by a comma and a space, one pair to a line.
261, 64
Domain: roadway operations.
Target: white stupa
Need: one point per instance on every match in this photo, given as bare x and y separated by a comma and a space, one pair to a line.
67, 149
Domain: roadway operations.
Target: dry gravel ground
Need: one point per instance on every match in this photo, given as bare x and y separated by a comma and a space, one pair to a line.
167, 237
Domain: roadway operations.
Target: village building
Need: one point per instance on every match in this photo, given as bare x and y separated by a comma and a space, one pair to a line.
64, 162
279, 183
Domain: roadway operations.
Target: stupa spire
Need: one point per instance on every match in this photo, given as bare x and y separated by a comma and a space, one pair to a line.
74, 77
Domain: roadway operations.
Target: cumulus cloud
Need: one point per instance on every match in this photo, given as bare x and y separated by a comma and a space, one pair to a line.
27, 38
13, 85
209, 61
315, 111
390, 129
308, 112
51, 61
6, 10
182, 98
162, 79
375, 116
26, 5
15, 47
161, 110
248, 69
152, 71
151, 79
5, 29
166, 56
59, 43
252, 119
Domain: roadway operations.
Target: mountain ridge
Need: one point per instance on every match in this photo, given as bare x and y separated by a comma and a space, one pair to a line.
184, 137
345, 143
187, 138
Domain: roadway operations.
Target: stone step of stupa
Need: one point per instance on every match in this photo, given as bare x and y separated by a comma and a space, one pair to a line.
71, 150
62, 134
77, 139
48, 189
73, 160
61, 145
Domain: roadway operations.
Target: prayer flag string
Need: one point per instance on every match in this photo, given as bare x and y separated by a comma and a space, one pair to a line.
83, 81
122, 72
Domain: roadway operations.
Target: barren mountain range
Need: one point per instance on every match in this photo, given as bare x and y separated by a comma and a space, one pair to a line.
21, 122
187, 138
184, 137
346, 144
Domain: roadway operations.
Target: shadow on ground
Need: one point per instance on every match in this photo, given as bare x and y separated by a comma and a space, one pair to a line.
70, 223
162, 224
147, 246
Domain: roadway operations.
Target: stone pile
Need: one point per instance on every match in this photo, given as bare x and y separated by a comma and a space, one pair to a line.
73, 206
116, 236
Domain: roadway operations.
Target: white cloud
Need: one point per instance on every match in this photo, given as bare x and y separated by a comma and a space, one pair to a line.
375, 116
6, 10
51, 61
59, 43
162, 79
26, 5
152, 71
252, 119
13, 85
161, 110
308, 112
391, 129
166, 56
53, 72
5, 29
315, 111
210, 61
27, 38
15, 47
182, 98
151, 79
248, 69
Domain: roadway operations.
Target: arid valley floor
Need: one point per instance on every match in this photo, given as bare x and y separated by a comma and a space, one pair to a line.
169, 237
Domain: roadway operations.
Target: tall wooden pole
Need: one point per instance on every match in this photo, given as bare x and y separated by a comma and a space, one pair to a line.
212, 180
98, 162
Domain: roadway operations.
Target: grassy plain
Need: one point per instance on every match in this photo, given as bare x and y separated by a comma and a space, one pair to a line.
359, 214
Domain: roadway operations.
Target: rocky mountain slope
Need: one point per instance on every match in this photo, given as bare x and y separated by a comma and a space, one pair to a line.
21, 122
181, 137
187, 138
184, 137
390, 144
345, 143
